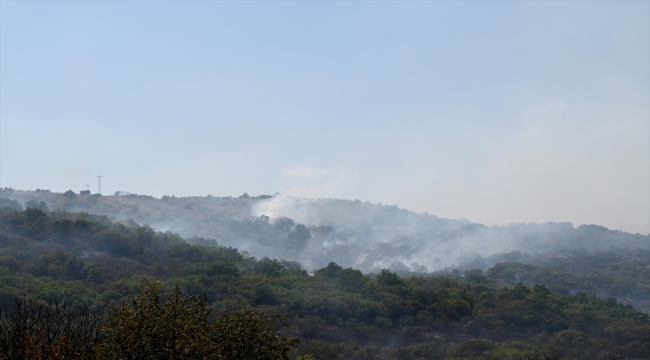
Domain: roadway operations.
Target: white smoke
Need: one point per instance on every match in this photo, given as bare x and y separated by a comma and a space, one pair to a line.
368, 235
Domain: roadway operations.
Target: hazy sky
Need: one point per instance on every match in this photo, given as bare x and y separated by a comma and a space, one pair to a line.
497, 112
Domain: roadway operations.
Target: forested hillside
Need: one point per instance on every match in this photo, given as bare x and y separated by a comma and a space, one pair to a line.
371, 237
507, 312
353, 233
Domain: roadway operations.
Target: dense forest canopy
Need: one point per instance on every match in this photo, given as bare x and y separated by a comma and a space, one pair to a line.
370, 237
509, 306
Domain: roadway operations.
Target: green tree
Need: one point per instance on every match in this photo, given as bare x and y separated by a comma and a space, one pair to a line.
33, 204
179, 326
250, 334
146, 327
11, 204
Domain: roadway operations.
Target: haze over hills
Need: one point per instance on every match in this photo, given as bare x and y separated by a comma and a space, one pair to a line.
512, 310
354, 234
499, 152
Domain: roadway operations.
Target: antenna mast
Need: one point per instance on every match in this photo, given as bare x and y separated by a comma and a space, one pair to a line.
88, 187
99, 189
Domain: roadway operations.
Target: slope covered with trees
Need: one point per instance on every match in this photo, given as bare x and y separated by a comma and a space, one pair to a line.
338, 312
370, 237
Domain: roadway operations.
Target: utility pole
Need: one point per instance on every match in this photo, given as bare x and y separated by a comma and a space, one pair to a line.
88, 187
99, 189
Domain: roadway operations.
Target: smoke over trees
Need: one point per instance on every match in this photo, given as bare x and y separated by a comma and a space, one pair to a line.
315, 232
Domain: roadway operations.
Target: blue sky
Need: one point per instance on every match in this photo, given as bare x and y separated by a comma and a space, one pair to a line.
497, 112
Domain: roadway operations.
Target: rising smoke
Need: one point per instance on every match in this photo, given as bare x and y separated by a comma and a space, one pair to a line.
369, 236
351, 233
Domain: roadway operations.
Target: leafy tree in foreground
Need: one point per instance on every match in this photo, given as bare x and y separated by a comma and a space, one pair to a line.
146, 327
251, 334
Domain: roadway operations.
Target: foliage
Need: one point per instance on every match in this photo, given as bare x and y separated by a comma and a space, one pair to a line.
146, 327
10, 204
512, 310
250, 334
